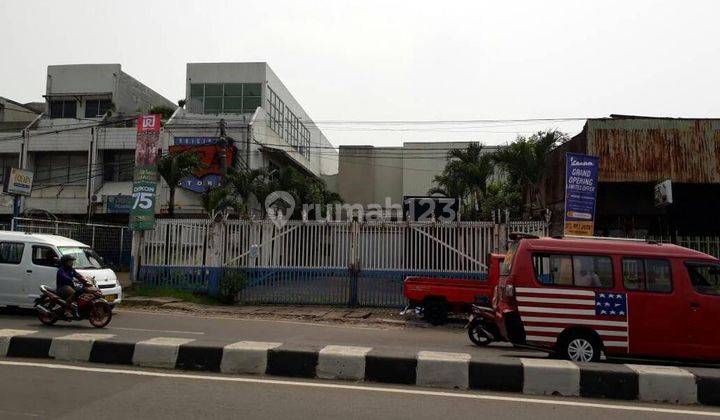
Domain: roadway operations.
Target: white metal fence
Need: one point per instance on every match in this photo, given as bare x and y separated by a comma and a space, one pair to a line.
454, 247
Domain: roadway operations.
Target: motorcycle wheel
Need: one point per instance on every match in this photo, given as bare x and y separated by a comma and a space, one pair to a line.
477, 335
47, 319
100, 314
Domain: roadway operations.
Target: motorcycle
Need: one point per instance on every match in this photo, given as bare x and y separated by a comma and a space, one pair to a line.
481, 327
89, 305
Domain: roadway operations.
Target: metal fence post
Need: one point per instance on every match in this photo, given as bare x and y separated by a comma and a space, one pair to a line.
354, 263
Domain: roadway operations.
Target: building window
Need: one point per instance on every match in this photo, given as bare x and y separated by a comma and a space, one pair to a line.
7, 161
63, 109
96, 107
287, 125
118, 165
61, 168
227, 98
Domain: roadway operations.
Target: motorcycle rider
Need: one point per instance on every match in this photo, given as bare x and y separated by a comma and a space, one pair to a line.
65, 282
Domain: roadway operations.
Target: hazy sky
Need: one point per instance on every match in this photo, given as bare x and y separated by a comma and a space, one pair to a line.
396, 60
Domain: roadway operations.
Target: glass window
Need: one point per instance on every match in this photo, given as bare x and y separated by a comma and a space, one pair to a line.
61, 168
250, 104
647, 275
213, 89
633, 273
11, 252
96, 108
213, 105
705, 278
118, 165
233, 89
85, 258
63, 109
252, 89
575, 270
232, 104
657, 273
197, 90
43, 255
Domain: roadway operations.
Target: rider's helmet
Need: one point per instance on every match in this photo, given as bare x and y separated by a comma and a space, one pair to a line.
65, 258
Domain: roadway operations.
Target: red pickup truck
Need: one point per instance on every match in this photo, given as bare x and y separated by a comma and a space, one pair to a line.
436, 297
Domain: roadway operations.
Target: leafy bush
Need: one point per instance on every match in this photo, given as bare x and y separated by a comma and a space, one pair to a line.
230, 285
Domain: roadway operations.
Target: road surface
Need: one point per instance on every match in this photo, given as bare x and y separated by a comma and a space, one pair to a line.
29, 389
134, 325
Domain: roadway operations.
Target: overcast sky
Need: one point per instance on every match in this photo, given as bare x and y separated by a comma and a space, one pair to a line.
396, 60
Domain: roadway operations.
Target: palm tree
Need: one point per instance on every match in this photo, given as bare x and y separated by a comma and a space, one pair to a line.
173, 168
465, 175
248, 184
524, 162
218, 201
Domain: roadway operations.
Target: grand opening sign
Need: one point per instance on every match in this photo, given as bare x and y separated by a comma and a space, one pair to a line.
144, 191
581, 176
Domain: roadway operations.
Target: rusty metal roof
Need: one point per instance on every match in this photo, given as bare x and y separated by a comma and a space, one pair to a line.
652, 149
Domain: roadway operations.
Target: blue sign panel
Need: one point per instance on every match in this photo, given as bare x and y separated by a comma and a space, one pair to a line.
200, 184
195, 141
581, 177
119, 203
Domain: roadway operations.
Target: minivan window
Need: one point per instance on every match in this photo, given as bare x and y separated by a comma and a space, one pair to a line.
705, 278
85, 258
573, 270
44, 256
647, 275
11, 252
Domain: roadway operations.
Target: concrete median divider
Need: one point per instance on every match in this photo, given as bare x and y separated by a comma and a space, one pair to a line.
532, 376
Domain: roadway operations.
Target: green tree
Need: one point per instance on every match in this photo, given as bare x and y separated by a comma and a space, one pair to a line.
524, 163
219, 201
246, 184
501, 196
465, 177
164, 110
174, 167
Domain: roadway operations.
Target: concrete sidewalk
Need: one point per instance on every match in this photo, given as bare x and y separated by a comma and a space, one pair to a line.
324, 314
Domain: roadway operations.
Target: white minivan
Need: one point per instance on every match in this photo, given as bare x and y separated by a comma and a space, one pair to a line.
28, 260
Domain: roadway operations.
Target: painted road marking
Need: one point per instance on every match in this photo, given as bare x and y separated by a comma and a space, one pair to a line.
163, 331
473, 396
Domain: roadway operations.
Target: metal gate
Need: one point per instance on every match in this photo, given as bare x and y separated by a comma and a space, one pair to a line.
112, 242
318, 262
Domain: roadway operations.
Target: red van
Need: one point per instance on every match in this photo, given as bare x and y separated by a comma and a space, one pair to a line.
579, 297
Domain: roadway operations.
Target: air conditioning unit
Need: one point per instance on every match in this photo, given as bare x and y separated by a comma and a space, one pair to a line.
96, 199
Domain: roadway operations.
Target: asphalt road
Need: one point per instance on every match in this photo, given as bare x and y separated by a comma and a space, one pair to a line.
144, 325
44, 390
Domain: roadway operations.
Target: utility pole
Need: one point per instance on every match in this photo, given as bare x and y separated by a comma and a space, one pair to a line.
223, 143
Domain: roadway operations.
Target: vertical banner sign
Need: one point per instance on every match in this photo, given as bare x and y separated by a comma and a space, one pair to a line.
144, 191
581, 176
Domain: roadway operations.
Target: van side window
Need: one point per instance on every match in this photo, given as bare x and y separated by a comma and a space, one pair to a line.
647, 275
11, 252
573, 270
705, 278
43, 255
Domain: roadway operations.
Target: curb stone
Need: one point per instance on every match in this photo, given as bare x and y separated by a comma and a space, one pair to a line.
436, 369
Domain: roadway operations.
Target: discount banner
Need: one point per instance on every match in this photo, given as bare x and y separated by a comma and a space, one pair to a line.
581, 176
144, 191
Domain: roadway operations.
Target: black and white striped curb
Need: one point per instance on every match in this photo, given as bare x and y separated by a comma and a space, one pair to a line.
425, 368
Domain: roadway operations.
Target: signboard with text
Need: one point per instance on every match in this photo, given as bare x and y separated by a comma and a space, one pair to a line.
581, 177
19, 182
120, 203
209, 175
144, 190
662, 193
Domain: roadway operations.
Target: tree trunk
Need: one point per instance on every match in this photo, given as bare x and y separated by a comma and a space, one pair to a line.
171, 202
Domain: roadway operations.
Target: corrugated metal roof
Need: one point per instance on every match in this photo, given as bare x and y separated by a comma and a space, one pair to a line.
648, 150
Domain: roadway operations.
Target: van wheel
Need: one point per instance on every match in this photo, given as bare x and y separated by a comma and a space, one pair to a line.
581, 347
435, 312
